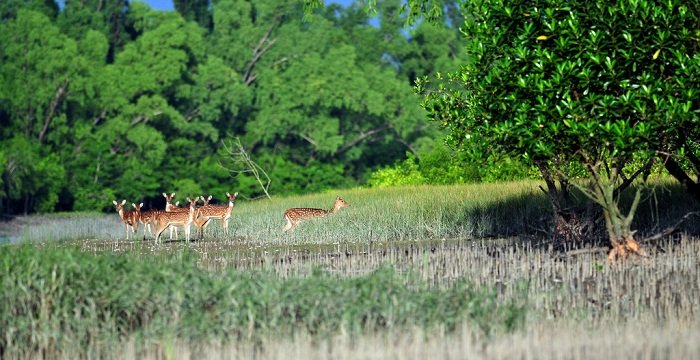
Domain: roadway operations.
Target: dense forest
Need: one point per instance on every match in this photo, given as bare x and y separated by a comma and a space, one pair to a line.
102, 100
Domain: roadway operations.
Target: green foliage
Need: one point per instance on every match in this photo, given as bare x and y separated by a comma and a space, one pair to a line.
26, 172
587, 82
3, 166
72, 300
9, 8
134, 102
573, 82
404, 173
443, 166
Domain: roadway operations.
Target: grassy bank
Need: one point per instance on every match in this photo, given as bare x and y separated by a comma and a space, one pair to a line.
403, 273
387, 215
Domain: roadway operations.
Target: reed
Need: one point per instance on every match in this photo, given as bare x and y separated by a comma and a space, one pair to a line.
403, 272
58, 302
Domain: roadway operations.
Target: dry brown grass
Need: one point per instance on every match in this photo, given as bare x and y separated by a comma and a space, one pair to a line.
579, 307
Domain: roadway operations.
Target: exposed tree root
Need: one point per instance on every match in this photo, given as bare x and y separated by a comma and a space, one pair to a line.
630, 247
623, 250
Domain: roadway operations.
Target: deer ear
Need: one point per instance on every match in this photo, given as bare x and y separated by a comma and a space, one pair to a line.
165, 195
115, 202
235, 194
123, 201
209, 198
172, 195
140, 205
228, 195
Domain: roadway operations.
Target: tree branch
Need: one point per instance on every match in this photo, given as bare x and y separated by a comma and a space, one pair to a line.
263, 45
243, 164
360, 138
143, 118
671, 229
410, 148
100, 117
308, 139
628, 181
60, 93
192, 114
677, 172
695, 161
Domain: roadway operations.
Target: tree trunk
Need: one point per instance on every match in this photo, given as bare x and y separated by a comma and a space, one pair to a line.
690, 186
617, 224
571, 225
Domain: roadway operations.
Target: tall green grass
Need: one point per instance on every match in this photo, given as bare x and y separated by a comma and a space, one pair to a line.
412, 258
409, 213
397, 214
64, 302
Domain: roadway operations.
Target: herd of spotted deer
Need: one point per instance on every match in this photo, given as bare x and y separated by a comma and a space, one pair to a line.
172, 216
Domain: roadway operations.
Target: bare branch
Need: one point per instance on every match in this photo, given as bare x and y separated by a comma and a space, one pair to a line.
308, 139
143, 118
695, 161
628, 181
192, 114
671, 229
243, 164
410, 148
137, 119
361, 137
60, 93
673, 168
100, 117
263, 45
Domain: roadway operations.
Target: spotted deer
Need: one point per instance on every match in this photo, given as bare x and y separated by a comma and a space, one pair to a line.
207, 213
295, 215
149, 219
169, 207
130, 218
177, 218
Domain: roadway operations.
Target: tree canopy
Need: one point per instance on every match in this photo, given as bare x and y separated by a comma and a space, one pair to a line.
611, 86
111, 99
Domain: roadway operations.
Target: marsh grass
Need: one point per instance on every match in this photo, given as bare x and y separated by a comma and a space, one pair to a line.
551, 340
67, 226
384, 215
62, 300
586, 308
391, 214
434, 239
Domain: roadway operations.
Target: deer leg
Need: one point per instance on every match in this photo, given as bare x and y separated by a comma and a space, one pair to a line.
288, 225
224, 222
161, 228
200, 228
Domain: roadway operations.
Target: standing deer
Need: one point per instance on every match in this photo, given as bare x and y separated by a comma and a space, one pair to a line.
177, 218
169, 207
295, 215
149, 219
130, 218
208, 212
